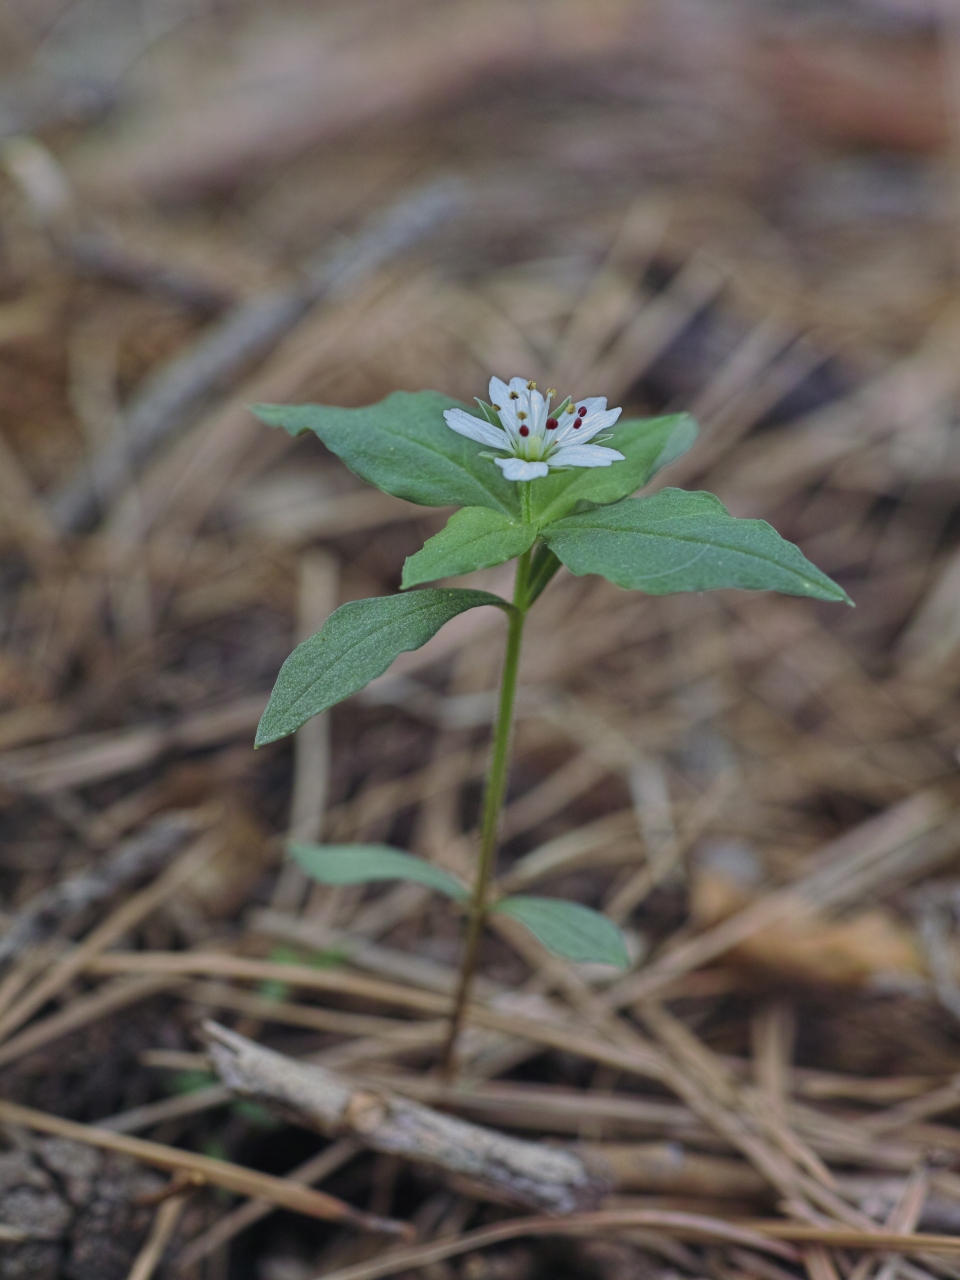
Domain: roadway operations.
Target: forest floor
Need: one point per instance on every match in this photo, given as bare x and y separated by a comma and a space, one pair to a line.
746, 210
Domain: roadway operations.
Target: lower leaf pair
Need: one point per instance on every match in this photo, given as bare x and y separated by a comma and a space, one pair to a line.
565, 928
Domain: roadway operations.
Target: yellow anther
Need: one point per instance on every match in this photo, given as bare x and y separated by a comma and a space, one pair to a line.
531, 386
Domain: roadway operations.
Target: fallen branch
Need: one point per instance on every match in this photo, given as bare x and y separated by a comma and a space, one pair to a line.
202, 1169
526, 1173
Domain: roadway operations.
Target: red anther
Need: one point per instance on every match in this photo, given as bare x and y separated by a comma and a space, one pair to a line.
524, 431
577, 425
552, 424
582, 411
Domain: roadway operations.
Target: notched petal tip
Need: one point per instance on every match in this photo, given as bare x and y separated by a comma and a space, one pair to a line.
498, 391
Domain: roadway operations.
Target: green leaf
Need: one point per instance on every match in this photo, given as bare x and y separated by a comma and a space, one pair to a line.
403, 446
359, 863
647, 444
679, 541
357, 643
568, 929
474, 538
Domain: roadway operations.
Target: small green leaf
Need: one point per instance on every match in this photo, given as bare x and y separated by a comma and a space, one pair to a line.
647, 444
474, 538
404, 447
357, 643
359, 863
680, 541
568, 929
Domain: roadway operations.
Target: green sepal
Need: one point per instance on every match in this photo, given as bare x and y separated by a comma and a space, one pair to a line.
488, 411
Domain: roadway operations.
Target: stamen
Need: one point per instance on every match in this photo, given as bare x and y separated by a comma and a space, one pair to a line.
578, 424
524, 431
514, 395
582, 412
551, 392
571, 408
552, 424
521, 415
495, 406
531, 386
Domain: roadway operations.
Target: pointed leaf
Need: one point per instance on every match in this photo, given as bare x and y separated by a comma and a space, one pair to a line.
474, 538
357, 643
360, 863
647, 445
568, 929
403, 446
679, 541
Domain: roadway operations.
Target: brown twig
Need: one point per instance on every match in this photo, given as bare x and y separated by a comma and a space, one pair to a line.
685, 1226
161, 1233
522, 1172
202, 1169
231, 1224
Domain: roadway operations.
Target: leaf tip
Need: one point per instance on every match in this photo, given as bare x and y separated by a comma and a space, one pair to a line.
408, 577
266, 734
834, 593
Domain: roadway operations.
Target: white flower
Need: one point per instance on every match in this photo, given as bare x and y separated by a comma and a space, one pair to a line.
534, 439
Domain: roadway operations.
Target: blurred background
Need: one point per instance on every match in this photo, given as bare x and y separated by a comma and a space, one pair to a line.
748, 209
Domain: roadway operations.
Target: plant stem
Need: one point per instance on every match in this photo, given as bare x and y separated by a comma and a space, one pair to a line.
496, 785
525, 501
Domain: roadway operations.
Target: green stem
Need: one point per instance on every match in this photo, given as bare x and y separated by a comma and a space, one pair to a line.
525, 503
490, 822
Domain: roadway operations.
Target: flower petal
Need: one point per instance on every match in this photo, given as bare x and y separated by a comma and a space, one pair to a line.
499, 392
584, 455
465, 424
537, 409
589, 426
517, 469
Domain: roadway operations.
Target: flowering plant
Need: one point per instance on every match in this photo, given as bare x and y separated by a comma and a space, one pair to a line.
547, 497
